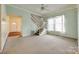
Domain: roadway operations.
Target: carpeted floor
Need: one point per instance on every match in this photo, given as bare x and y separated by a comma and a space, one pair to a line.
45, 44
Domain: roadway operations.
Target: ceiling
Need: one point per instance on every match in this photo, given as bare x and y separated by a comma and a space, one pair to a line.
36, 8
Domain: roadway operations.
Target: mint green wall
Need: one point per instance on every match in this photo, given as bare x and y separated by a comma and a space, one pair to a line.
27, 24
70, 23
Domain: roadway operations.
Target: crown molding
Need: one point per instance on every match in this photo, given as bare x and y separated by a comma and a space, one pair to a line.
26, 10
59, 11
47, 14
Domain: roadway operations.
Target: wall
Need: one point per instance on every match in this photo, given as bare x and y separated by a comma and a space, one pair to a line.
27, 25
4, 26
78, 26
0, 28
70, 23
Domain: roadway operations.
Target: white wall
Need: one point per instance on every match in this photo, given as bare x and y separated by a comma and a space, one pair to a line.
70, 23
4, 26
0, 28
78, 26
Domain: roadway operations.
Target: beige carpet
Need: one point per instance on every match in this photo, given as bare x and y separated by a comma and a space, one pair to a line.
45, 44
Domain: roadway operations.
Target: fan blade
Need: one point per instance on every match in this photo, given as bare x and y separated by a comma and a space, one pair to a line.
47, 9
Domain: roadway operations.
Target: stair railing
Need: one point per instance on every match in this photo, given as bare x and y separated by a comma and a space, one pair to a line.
38, 22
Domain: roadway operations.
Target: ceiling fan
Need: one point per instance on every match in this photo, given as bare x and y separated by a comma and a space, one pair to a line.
44, 7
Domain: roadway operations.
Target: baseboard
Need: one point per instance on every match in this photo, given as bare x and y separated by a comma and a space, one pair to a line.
63, 36
66, 37
4, 45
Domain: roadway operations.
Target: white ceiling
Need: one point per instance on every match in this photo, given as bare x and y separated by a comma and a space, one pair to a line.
48, 7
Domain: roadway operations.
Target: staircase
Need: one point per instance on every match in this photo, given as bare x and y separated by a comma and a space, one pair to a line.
39, 23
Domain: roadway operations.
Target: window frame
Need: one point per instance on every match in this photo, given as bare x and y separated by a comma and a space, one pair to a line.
54, 25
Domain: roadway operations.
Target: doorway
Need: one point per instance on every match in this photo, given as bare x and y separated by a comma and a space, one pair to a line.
14, 26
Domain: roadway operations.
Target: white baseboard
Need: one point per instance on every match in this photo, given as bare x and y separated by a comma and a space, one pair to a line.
62, 34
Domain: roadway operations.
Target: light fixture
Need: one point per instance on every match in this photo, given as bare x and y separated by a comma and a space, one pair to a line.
42, 7
14, 23
3, 22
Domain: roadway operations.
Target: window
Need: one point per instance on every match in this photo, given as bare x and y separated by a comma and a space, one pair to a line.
56, 24
51, 24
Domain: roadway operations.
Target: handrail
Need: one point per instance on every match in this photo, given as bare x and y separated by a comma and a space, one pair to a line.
38, 22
